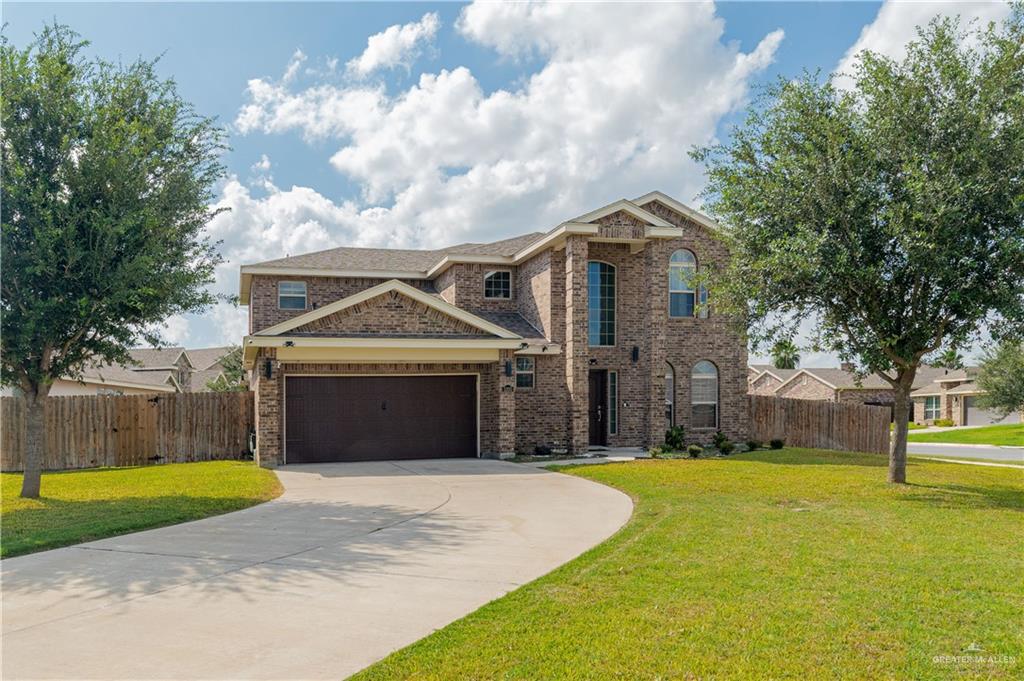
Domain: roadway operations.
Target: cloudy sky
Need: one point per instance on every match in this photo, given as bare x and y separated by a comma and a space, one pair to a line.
421, 125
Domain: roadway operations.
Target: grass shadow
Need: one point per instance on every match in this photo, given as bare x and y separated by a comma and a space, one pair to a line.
813, 457
961, 496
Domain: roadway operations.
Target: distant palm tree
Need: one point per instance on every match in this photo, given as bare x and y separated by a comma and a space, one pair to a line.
785, 355
950, 359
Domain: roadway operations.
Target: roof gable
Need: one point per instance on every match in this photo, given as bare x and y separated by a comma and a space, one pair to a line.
341, 316
622, 205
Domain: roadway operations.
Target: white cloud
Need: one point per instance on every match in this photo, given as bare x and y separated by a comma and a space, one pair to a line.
612, 112
175, 330
398, 45
262, 165
896, 24
294, 64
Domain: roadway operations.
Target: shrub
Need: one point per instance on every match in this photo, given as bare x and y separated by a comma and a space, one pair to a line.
694, 451
725, 447
674, 438
655, 452
942, 423
719, 438
752, 445
778, 444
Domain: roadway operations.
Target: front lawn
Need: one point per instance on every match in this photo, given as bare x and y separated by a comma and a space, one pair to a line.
78, 506
772, 564
1009, 435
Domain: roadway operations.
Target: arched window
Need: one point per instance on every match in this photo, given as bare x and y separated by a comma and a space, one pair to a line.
704, 395
601, 303
670, 395
683, 297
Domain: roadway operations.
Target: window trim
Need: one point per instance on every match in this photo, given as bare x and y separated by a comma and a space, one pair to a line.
670, 405
613, 402
489, 273
615, 306
936, 411
700, 293
531, 372
305, 295
718, 395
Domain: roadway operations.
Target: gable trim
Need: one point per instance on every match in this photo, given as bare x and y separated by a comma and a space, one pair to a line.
627, 207
380, 289
678, 207
804, 372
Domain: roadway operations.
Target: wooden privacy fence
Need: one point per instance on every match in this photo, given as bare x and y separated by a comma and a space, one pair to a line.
99, 430
815, 423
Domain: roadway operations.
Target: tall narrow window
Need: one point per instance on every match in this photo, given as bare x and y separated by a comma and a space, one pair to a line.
524, 372
670, 396
291, 295
685, 299
704, 395
498, 284
601, 294
613, 402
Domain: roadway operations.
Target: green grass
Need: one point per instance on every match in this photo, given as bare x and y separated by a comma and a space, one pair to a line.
78, 506
1019, 463
1011, 435
797, 564
910, 426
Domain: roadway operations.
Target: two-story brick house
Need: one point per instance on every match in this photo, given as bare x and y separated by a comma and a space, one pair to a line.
590, 334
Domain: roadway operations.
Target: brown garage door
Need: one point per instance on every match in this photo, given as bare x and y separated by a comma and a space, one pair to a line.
372, 418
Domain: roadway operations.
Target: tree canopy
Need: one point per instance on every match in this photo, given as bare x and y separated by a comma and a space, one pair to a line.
107, 185
1002, 378
890, 214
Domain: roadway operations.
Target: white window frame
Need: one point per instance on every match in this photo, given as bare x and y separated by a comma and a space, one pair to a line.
700, 295
935, 410
491, 273
613, 403
281, 294
716, 403
531, 372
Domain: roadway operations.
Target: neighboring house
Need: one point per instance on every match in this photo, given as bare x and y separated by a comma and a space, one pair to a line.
115, 380
954, 396
160, 360
590, 334
836, 384
207, 367
766, 379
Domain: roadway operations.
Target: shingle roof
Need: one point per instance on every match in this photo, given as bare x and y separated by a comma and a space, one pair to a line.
514, 322
846, 380
155, 358
396, 260
116, 375
201, 378
204, 358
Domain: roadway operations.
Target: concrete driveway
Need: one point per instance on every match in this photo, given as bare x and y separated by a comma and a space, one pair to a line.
351, 563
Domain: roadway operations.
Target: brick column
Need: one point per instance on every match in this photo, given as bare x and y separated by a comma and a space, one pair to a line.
656, 268
269, 416
506, 408
576, 350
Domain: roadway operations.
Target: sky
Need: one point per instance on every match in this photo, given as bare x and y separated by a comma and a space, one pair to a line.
427, 124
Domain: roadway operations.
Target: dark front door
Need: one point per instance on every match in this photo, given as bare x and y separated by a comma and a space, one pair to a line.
599, 407
374, 418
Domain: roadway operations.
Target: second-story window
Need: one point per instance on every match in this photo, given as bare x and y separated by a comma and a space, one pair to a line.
498, 284
682, 298
601, 303
291, 295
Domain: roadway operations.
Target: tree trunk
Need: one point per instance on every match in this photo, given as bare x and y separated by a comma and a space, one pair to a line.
35, 441
901, 417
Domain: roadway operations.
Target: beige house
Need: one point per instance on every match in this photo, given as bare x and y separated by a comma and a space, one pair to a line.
954, 396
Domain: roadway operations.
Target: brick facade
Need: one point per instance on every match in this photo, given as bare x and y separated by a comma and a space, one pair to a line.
550, 291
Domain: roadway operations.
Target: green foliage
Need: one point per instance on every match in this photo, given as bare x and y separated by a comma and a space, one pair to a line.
718, 438
675, 438
694, 451
726, 447
890, 214
950, 358
753, 445
943, 423
235, 378
785, 354
107, 185
1006, 435
1002, 378
777, 444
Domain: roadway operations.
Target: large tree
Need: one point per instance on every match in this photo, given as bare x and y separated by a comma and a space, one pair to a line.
107, 183
891, 214
1002, 378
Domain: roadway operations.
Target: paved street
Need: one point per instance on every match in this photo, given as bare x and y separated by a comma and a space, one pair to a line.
1012, 454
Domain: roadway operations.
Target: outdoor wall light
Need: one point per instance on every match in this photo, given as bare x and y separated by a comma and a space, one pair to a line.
289, 344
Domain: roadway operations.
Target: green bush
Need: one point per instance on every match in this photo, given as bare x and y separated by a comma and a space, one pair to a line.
674, 438
718, 438
752, 445
777, 444
942, 423
725, 447
656, 452
694, 451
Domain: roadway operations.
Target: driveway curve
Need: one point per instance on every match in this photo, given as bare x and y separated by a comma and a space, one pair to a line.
352, 562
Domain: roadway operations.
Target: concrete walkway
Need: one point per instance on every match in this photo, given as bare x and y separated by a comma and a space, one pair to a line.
352, 562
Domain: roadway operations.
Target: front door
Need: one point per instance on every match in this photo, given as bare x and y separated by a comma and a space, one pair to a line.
599, 407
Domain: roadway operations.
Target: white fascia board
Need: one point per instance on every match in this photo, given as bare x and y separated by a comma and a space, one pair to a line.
626, 206
380, 289
455, 258
378, 342
554, 236
680, 208
804, 372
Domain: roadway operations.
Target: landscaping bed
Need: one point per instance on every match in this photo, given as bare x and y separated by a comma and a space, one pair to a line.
78, 506
769, 564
